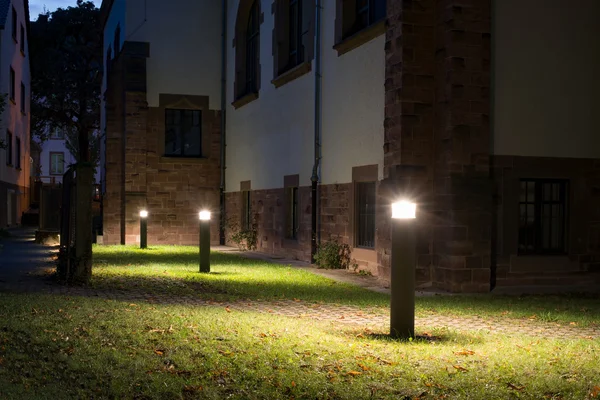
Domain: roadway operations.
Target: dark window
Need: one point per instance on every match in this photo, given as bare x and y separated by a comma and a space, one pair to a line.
57, 133
22, 97
183, 133
292, 213
246, 211
252, 46
542, 212
117, 41
17, 152
360, 14
22, 39
365, 214
12, 84
9, 148
296, 53
57, 163
14, 24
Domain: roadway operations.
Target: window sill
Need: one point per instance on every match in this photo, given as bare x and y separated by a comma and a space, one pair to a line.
360, 38
291, 74
184, 160
245, 99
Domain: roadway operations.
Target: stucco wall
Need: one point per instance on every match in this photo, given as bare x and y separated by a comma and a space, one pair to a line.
13, 119
273, 135
546, 60
182, 60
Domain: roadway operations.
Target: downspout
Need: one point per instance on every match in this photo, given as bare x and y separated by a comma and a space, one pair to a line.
317, 151
223, 119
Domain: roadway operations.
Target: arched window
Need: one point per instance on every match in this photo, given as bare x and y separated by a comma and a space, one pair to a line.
247, 52
252, 46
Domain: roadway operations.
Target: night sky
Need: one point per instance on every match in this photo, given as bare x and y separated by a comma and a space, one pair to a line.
37, 6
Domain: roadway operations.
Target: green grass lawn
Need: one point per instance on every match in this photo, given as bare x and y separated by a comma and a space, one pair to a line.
60, 347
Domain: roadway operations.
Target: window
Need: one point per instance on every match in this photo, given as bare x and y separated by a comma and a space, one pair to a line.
22, 39
18, 152
362, 14
293, 38
57, 133
57, 163
14, 24
542, 216
292, 213
9, 148
365, 214
246, 211
252, 42
117, 40
12, 84
22, 97
247, 50
183, 133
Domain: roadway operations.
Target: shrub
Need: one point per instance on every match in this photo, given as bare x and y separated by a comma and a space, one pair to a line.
333, 255
245, 239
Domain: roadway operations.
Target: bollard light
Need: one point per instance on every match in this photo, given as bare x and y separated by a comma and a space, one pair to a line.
143, 229
403, 263
204, 241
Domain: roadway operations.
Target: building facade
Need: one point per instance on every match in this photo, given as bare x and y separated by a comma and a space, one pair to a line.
333, 112
14, 121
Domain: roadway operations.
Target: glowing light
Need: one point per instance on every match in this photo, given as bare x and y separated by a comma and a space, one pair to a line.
204, 215
143, 213
404, 210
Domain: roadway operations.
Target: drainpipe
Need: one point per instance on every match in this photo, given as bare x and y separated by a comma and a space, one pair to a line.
223, 119
315, 172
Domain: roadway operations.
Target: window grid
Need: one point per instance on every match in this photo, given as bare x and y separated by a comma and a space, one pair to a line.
365, 199
22, 43
22, 97
296, 55
542, 212
252, 43
12, 84
246, 210
183, 133
57, 163
14, 24
9, 151
292, 232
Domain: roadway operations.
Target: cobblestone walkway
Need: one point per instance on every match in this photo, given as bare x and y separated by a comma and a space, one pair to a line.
372, 318
18, 275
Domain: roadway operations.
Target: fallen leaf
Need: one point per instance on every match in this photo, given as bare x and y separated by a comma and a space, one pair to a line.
363, 367
354, 373
595, 391
464, 353
227, 309
460, 368
515, 387
573, 323
159, 352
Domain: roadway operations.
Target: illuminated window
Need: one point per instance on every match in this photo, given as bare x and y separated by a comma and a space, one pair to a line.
183, 133
57, 163
542, 216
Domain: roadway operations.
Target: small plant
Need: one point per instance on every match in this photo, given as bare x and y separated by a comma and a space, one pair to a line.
333, 255
245, 239
364, 272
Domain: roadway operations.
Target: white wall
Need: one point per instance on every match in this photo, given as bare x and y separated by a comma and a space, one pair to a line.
185, 46
54, 146
273, 136
13, 119
546, 84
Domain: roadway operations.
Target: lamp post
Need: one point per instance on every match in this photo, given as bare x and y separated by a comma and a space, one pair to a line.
402, 304
143, 229
204, 241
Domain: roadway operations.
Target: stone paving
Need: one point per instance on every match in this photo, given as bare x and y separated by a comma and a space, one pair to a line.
363, 317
